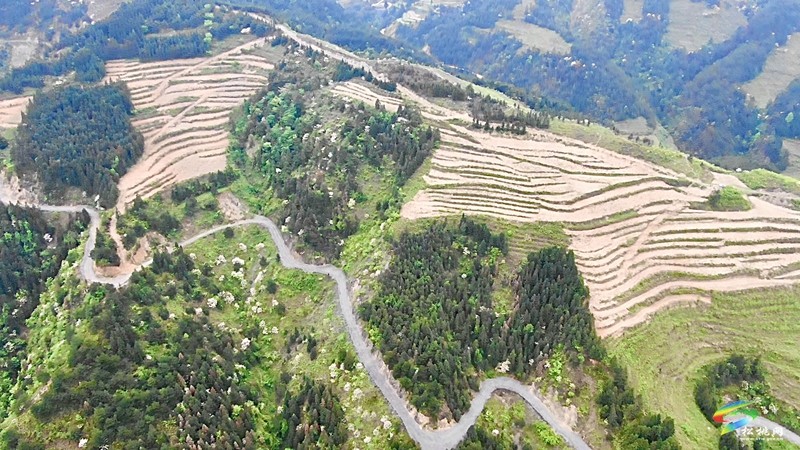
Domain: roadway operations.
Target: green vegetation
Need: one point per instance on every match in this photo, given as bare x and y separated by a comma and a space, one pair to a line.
622, 410
661, 156
21, 15
621, 69
316, 168
740, 378
105, 251
442, 278
677, 344
506, 421
146, 29
765, 179
31, 251
728, 198
522, 237
733, 371
216, 337
190, 205
605, 221
151, 215
79, 137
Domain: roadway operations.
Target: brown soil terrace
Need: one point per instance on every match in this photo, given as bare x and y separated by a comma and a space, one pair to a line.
11, 111
661, 255
185, 106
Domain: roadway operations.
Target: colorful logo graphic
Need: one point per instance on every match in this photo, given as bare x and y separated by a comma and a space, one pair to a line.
734, 415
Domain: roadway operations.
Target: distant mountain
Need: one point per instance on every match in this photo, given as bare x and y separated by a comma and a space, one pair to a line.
722, 76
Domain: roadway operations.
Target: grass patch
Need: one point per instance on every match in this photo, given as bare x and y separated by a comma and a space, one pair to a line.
255, 192
523, 237
765, 179
534, 37
603, 137
726, 199
604, 221
510, 419
146, 113
664, 356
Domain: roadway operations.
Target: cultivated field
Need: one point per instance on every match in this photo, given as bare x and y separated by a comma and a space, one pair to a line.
183, 108
418, 11
11, 111
523, 7
101, 9
792, 146
692, 25
534, 37
639, 243
632, 10
782, 67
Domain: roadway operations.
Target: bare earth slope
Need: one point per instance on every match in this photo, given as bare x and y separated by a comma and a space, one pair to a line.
184, 107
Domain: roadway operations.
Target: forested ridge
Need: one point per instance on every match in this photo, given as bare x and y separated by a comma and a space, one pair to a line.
31, 251
125, 394
43, 15
193, 353
315, 168
79, 137
615, 71
434, 321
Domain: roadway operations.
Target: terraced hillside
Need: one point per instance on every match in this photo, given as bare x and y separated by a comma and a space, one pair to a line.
183, 108
11, 111
640, 243
780, 70
693, 24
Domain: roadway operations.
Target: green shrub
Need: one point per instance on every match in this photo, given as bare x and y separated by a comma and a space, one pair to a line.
728, 199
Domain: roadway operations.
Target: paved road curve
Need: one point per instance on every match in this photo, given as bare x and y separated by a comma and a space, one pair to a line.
428, 439
777, 429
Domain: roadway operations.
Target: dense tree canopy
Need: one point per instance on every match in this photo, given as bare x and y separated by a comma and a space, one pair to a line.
434, 320
79, 137
314, 165
31, 251
622, 410
125, 395
143, 29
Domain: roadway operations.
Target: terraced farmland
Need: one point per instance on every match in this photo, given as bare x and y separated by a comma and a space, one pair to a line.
639, 242
11, 111
692, 24
780, 70
183, 108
